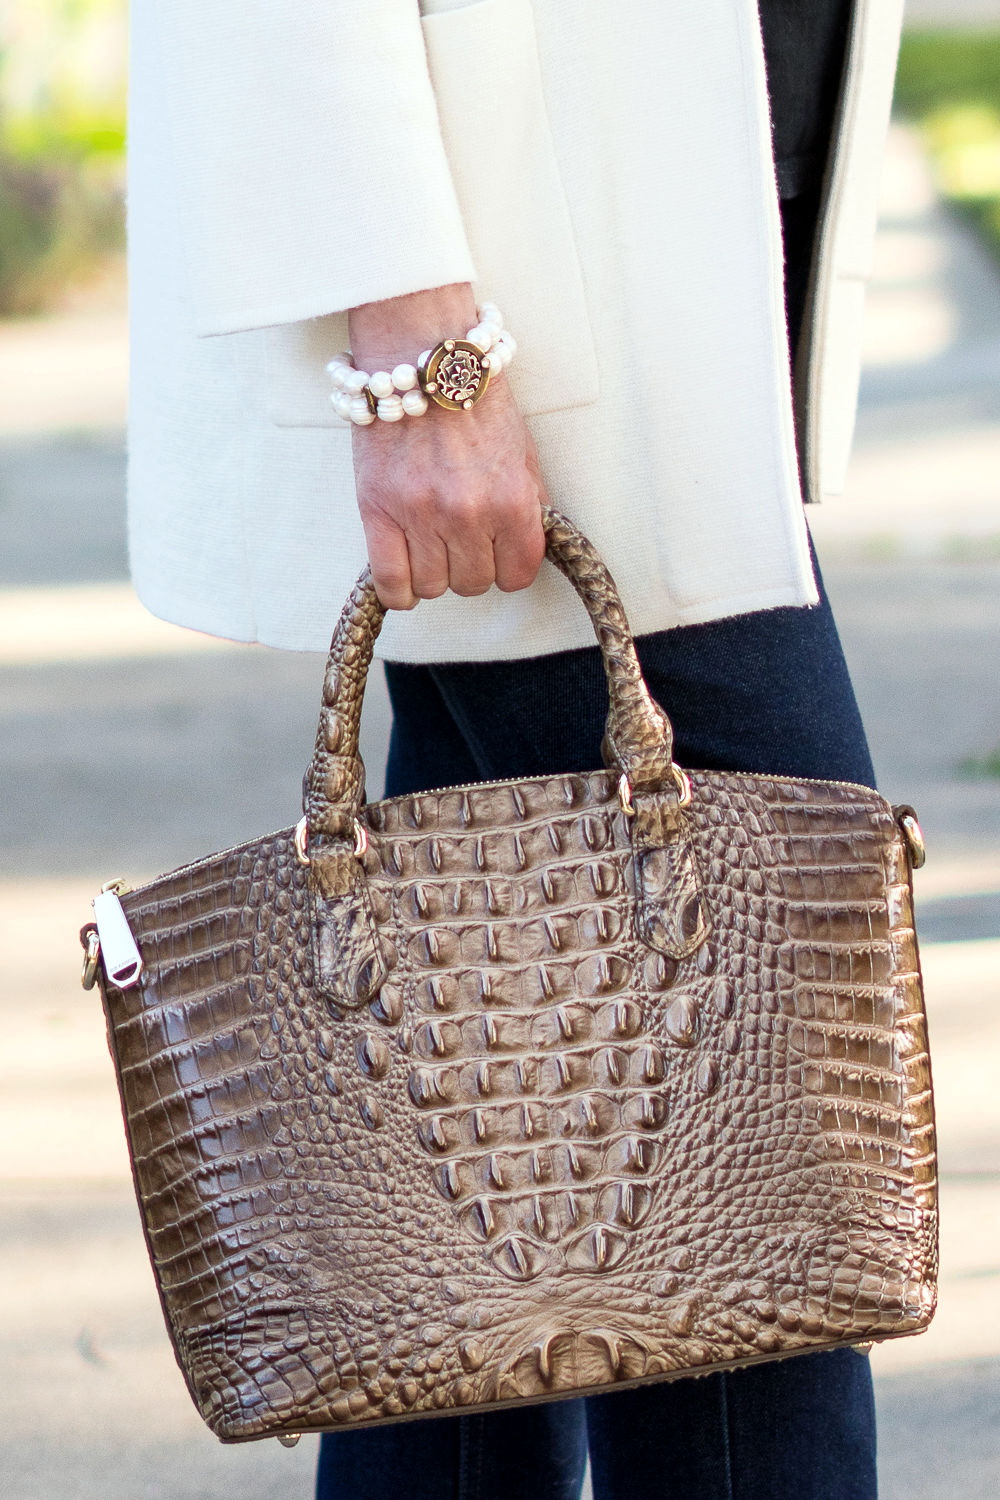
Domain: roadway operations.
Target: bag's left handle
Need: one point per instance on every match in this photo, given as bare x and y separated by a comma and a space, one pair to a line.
349, 956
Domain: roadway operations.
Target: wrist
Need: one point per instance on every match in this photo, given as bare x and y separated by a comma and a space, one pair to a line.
400, 328
452, 371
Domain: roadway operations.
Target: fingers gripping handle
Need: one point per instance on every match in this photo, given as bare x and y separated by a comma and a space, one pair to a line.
638, 737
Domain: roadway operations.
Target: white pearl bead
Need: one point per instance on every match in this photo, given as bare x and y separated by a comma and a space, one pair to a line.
390, 409
509, 342
381, 384
342, 404
404, 377
481, 336
361, 413
495, 359
489, 313
504, 353
415, 403
423, 358
355, 382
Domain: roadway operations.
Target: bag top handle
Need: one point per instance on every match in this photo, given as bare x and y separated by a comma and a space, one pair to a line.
638, 739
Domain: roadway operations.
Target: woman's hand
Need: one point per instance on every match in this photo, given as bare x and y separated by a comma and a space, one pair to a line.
447, 499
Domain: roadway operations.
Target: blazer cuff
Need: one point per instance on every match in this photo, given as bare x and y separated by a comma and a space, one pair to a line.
308, 155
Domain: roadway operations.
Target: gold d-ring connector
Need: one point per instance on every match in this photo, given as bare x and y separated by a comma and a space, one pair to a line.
912, 833
92, 958
302, 840
681, 781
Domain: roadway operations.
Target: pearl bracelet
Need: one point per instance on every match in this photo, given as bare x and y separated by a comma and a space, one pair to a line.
454, 374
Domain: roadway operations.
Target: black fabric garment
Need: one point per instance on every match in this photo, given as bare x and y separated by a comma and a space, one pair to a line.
767, 692
799, 219
804, 49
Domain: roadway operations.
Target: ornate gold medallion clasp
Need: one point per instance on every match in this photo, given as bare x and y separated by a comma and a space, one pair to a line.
454, 374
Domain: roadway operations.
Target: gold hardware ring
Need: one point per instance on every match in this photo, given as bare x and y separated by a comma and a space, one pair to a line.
913, 835
302, 840
93, 957
681, 780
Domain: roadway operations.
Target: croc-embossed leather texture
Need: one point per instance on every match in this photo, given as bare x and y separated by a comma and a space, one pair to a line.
549, 1089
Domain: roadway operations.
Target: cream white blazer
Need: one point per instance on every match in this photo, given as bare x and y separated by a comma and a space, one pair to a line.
601, 171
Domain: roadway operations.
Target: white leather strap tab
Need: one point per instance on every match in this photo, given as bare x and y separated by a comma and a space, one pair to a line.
119, 953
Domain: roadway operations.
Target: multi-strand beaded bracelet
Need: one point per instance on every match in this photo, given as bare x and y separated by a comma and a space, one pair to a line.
454, 374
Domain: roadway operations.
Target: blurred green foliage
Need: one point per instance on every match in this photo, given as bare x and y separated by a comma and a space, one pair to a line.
62, 135
62, 142
949, 84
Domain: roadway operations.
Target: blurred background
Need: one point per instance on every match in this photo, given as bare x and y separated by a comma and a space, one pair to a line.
129, 746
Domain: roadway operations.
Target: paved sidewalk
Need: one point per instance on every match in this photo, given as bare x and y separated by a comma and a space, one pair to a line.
104, 712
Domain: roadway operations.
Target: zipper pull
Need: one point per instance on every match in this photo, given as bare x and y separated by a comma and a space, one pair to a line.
119, 954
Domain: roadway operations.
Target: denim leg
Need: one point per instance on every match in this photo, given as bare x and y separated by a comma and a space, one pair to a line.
767, 692
426, 746
536, 1451
798, 1429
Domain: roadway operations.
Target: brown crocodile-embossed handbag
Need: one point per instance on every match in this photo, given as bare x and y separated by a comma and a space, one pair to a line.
513, 1090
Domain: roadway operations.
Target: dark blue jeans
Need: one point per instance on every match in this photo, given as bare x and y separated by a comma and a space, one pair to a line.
765, 692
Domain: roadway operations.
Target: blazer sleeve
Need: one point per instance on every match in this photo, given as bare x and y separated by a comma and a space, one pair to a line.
309, 157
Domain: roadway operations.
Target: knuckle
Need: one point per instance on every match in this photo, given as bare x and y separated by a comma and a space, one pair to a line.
470, 588
393, 589
520, 503
515, 579
430, 590
395, 579
393, 600
421, 507
463, 509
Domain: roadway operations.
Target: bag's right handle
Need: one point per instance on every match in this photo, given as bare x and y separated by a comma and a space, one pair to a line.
638, 736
